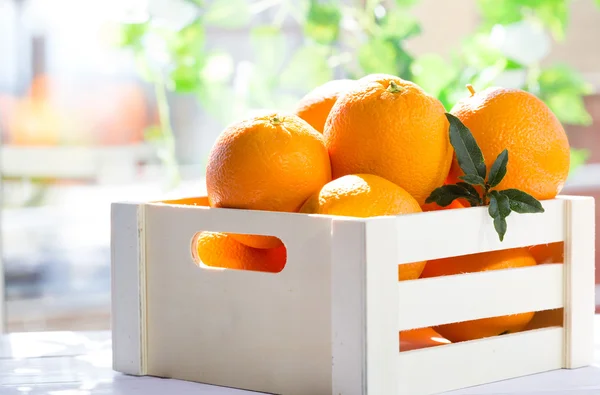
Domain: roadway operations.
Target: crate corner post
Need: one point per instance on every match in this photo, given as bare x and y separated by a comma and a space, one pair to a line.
128, 288
579, 267
365, 341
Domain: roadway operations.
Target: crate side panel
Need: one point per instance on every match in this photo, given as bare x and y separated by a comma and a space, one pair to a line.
472, 296
579, 282
382, 342
348, 313
364, 307
259, 331
461, 365
447, 233
127, 285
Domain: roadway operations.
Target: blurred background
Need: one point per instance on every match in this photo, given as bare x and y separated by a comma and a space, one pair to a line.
122, 100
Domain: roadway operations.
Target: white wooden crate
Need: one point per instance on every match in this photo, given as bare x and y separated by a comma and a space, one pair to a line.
328, 323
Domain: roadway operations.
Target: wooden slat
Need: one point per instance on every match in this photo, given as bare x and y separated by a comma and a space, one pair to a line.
381, 339
579, 282
128, 288
460, 365
364, 308
441, 234
441, 300
287, 226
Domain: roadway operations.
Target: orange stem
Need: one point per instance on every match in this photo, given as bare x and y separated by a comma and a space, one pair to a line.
471, 89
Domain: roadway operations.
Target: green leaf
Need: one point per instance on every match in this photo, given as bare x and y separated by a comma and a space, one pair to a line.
378, 56
307, 68
475, 199
522, 202
468, 153
499, 205
500, 226
473, 179
323, 21
432, 73
228, 13
498, 169
446, 194
499, 209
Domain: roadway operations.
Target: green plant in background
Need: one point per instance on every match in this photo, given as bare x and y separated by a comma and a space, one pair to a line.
343, 40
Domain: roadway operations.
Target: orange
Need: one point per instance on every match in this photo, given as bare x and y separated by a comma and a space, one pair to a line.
546, 318
220, 250
314, 107
494, 260
392, 128
458, 203
192, 201
538, 149
366, 195
215, 249
434, 206
414, 339
548, 253
272, 162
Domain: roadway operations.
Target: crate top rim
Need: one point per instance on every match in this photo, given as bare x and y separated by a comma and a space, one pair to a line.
428, 214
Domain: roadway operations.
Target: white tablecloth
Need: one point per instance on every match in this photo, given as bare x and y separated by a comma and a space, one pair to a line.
79, 363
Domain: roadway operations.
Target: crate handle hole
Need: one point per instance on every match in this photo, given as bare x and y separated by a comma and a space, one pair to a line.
228, 251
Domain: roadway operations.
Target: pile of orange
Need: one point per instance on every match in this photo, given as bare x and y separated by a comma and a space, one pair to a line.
379, 146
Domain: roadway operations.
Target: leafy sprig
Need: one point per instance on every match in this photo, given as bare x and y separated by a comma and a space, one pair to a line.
477, 186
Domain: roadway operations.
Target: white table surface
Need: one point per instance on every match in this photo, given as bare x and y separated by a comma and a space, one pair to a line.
79, 363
